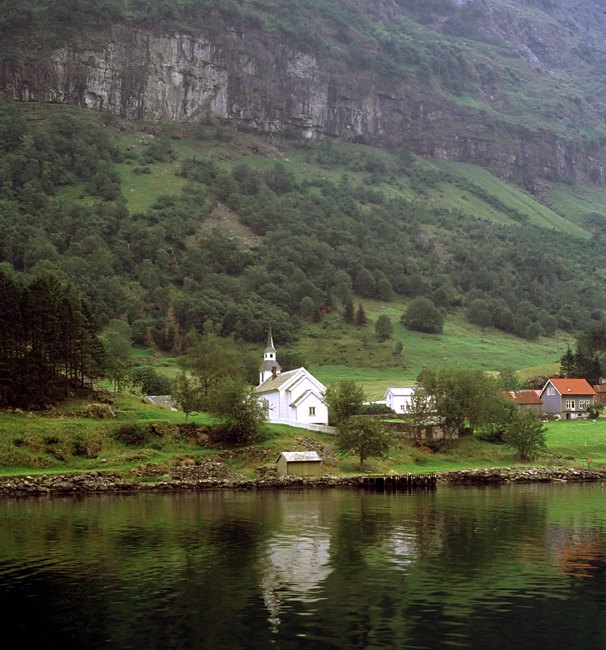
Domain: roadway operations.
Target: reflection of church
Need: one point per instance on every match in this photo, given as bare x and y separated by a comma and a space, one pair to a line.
294, 397
297, 561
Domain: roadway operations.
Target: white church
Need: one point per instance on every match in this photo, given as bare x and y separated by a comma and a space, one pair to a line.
294, 397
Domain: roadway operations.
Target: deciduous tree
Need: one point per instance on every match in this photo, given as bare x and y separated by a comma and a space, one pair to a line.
423, 316
384, 328
241, 414
344, 399
526, 434
364, 437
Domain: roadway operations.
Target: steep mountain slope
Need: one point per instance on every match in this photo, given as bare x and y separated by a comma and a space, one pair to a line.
172, 226
512, 85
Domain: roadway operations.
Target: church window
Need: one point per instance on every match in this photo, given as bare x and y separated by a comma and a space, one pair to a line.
312, 410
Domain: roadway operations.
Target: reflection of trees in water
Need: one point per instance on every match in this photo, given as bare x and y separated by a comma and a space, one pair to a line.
172, 571
302, 570
473, 533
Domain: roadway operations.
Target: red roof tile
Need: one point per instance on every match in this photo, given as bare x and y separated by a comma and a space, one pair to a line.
571, 386
522, 397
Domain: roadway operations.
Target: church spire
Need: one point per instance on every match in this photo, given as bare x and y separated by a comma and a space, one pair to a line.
269, 367
270, 343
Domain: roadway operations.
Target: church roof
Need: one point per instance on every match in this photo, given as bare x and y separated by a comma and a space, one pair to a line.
268, 364
273, 383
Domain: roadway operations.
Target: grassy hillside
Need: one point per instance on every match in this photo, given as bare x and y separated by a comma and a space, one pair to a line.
170, 226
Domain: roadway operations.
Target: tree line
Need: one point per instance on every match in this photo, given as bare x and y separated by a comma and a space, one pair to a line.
48, 342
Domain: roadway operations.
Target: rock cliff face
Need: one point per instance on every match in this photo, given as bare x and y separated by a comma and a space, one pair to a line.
252, 82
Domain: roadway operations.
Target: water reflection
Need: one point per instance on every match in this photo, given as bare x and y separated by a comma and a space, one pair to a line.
518, 565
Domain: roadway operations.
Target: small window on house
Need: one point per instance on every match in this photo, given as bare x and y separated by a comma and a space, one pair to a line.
402, 407
312, 410
584, 404
551, 390
569, 404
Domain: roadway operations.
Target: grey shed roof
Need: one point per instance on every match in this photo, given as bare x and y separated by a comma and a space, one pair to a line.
300, 456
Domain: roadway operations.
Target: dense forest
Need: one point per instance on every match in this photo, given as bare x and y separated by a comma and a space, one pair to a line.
48, 344
314, 242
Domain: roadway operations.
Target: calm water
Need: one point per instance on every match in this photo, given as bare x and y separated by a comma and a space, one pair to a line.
510, 567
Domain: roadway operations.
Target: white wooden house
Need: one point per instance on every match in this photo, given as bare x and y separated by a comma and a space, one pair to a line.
399, 399
294, 397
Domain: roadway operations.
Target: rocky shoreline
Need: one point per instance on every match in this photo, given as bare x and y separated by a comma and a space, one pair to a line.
112, 482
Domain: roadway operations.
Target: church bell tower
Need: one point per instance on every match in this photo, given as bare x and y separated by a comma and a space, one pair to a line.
270, 366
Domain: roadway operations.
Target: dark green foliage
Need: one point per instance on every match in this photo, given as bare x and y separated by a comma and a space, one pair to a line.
463, 398
348, 311
526, 434
344, 400
479, 313
423, 316
133, 434
588, 359
241, 414
211, 359
48, 342
187, 394
361, 318
363, 436
149, 381
384, 328
166, 277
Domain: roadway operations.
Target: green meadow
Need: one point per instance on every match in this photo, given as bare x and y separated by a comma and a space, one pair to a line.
63, 440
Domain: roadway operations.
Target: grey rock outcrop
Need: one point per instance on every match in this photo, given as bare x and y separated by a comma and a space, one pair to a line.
255, 81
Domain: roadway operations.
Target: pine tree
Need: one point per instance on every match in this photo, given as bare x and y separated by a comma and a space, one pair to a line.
361, 318
348, 313
567, 364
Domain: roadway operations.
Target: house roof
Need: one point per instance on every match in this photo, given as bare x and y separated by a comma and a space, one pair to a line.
522, 397
303, 396
300, 456
400, 392
570, 386
600, 388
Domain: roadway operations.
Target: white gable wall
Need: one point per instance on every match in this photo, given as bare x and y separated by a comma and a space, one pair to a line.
311, 409
399, 400
281, 401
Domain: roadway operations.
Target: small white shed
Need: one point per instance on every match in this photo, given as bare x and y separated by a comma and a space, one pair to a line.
299, 463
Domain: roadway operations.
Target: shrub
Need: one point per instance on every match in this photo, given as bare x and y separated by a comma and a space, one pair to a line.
423, 316
526, 434
132, 434
149, 381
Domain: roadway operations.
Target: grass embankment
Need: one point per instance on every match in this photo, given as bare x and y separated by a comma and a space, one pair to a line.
147, 436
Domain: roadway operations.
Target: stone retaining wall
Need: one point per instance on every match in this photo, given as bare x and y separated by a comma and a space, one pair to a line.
104, 482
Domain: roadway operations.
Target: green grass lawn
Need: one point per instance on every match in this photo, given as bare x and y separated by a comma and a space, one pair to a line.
581, 439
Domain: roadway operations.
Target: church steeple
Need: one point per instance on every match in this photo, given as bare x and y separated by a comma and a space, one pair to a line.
270, 366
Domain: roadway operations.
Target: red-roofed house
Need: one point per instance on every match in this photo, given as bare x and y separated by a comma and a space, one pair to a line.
525, 400
600, 392
567, 398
